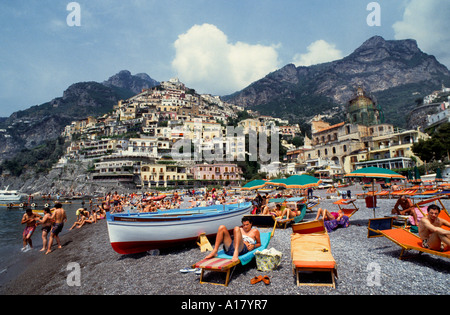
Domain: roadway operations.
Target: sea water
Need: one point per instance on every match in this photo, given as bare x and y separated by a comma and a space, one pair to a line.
12, 259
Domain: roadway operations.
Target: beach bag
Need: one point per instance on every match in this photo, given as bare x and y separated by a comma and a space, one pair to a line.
268, 259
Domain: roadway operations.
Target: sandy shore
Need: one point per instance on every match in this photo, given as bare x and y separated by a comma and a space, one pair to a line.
103, 271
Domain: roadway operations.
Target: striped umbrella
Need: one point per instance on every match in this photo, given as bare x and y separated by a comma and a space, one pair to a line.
276, 182
254, 184
375, 172
301, 182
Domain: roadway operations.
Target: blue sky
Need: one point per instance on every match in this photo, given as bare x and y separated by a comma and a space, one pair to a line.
213, 46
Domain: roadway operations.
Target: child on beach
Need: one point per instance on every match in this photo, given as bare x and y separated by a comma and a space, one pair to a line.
46, 227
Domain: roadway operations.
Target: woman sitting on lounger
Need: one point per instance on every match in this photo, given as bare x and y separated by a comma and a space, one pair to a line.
328, 216
276, 212
333, 220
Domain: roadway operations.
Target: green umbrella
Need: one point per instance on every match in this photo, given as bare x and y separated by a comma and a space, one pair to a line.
438, 175
374, 172
301, 182
276, 182
254, 184
410, 176
417, 175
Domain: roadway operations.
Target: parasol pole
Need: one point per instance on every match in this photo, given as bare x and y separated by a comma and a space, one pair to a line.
373, 196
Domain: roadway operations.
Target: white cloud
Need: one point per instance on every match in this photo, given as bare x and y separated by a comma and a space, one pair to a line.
427, 23
206, 61
318, 52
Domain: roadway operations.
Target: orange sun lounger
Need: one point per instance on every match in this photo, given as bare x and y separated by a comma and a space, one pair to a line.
347, 206
409, 241
311, 252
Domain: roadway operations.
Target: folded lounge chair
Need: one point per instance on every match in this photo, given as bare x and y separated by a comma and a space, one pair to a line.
347, 206
223, 262
312, 202
311, 252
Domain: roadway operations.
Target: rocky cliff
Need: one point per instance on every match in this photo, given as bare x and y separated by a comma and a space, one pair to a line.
31, 127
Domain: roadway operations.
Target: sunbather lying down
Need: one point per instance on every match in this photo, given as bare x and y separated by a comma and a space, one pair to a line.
333, 220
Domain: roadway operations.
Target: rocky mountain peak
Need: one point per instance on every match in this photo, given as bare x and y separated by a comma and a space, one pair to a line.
396, 71
125, 80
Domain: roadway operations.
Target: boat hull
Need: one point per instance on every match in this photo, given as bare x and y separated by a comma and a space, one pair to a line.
136, 233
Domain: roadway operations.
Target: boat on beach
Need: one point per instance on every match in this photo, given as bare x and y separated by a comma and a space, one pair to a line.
10, 195
131, 233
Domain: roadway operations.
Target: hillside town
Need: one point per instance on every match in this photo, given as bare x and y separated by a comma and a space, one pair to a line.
170, 137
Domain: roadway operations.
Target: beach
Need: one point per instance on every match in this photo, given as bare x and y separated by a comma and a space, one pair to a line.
364, 266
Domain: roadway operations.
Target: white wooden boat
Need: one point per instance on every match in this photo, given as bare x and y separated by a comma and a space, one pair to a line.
10, 195
131, 233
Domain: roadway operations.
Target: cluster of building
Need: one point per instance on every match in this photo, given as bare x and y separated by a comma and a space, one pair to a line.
363, 140
170, 136
167, 136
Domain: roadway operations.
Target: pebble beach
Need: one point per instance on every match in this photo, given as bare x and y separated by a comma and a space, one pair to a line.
364, 266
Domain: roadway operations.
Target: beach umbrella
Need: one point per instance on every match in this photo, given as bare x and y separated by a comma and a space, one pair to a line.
416, 175
301, 182
254, 184
276, 182
438, 175
373, 173
410, 176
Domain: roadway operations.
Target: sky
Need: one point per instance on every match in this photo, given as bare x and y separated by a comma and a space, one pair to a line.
213, 46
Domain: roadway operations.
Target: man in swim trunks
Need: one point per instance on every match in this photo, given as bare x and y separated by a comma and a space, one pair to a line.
59, 215
431, 232
244, 239
46, 227
406, 205
30, 219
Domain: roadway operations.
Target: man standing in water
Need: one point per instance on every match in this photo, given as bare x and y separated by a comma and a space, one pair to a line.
59, 217
30, 219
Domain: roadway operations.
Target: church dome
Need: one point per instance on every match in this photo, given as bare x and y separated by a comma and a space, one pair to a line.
363, 110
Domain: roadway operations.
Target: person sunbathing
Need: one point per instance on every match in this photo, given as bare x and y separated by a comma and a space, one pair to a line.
79, 223
290, 213
328, 216
406, 205
431, 232
274, 211
244, 240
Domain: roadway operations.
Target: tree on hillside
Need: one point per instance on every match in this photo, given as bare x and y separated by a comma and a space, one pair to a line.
437, 147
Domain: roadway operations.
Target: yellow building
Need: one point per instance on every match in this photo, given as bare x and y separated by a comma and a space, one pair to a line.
162, 175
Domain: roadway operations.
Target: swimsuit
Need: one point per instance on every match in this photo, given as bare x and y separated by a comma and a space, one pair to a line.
230, 250
28, 231
57, 228
425, 245
248, 239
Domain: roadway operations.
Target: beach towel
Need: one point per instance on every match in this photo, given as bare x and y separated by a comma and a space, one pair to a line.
246, 258
332, 225
419, 215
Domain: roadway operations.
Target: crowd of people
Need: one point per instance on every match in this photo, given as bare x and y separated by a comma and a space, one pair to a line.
52, 222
